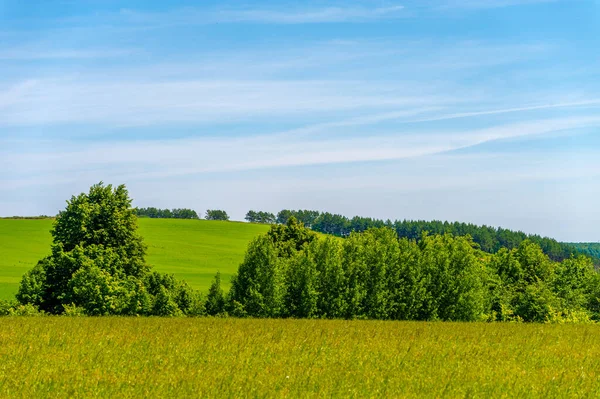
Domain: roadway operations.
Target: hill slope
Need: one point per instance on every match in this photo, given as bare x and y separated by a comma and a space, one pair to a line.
193, 250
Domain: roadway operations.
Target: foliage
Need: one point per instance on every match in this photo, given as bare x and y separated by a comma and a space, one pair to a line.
489, 239
290, 272
306, 217
98, 264
178, 213
215, 300
260, 217
258, 283
216, 214
13, 308
591, 249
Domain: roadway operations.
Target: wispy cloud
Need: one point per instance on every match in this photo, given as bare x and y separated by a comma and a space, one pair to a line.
485, 4
284, 14
27, 54
300, 15
163, 158
147, 103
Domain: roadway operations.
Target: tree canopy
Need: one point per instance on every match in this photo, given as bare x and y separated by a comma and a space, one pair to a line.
260, 217
97, 263
489, 239
177, 213
292, 272
216, 214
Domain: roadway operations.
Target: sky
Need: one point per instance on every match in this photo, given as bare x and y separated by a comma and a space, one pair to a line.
482, 111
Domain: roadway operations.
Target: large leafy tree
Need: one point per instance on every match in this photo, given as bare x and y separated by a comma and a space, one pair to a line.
97, 262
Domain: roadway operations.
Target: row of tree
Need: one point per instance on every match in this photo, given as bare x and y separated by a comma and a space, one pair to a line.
488, 238
216, 214
157, 213
290, 272
260, 217
180, 213
97, 267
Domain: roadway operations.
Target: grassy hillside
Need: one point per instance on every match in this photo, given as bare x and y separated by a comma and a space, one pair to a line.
161, 357
194, 250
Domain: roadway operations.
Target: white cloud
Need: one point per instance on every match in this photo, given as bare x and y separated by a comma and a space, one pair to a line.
38, 53
129, 103
134, 160
290, 13
298, 16
485, 4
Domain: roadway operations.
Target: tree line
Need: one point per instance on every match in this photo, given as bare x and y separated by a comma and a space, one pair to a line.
97, 267
180, 213
260, 217
489, 239
291, 272
157, 213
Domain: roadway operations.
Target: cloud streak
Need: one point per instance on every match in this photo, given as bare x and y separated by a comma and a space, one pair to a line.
486, 4
164, 158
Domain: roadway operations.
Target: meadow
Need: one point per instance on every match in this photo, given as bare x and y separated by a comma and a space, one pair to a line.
193, 250
188, 357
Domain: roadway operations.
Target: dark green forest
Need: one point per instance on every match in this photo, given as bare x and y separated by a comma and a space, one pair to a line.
591, 248
489, 239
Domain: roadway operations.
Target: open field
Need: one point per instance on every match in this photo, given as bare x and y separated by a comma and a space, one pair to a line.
194, 250
157, 357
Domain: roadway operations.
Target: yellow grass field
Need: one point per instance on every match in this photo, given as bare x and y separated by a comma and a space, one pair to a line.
50, 357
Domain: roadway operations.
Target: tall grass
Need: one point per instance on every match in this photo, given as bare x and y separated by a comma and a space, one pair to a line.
153, 357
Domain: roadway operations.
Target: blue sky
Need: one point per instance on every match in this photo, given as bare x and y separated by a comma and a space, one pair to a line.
477, 111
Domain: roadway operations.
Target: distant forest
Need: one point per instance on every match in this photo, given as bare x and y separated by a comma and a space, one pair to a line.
592, 249
489, 239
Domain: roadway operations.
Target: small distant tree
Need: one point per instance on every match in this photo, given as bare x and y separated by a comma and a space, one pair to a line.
260, 217
216, 214
252, 216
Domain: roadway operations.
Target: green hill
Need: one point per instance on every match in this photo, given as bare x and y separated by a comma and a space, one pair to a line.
193, 250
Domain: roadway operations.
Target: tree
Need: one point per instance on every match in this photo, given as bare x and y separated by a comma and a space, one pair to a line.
301, 295
260, 217
257, 288
216, 214
179, 213
455, 278
327, 254
291, 237
97, 263
252, 217
215, 301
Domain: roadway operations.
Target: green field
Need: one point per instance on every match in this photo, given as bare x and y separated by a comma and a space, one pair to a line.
187, 357
194, 250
